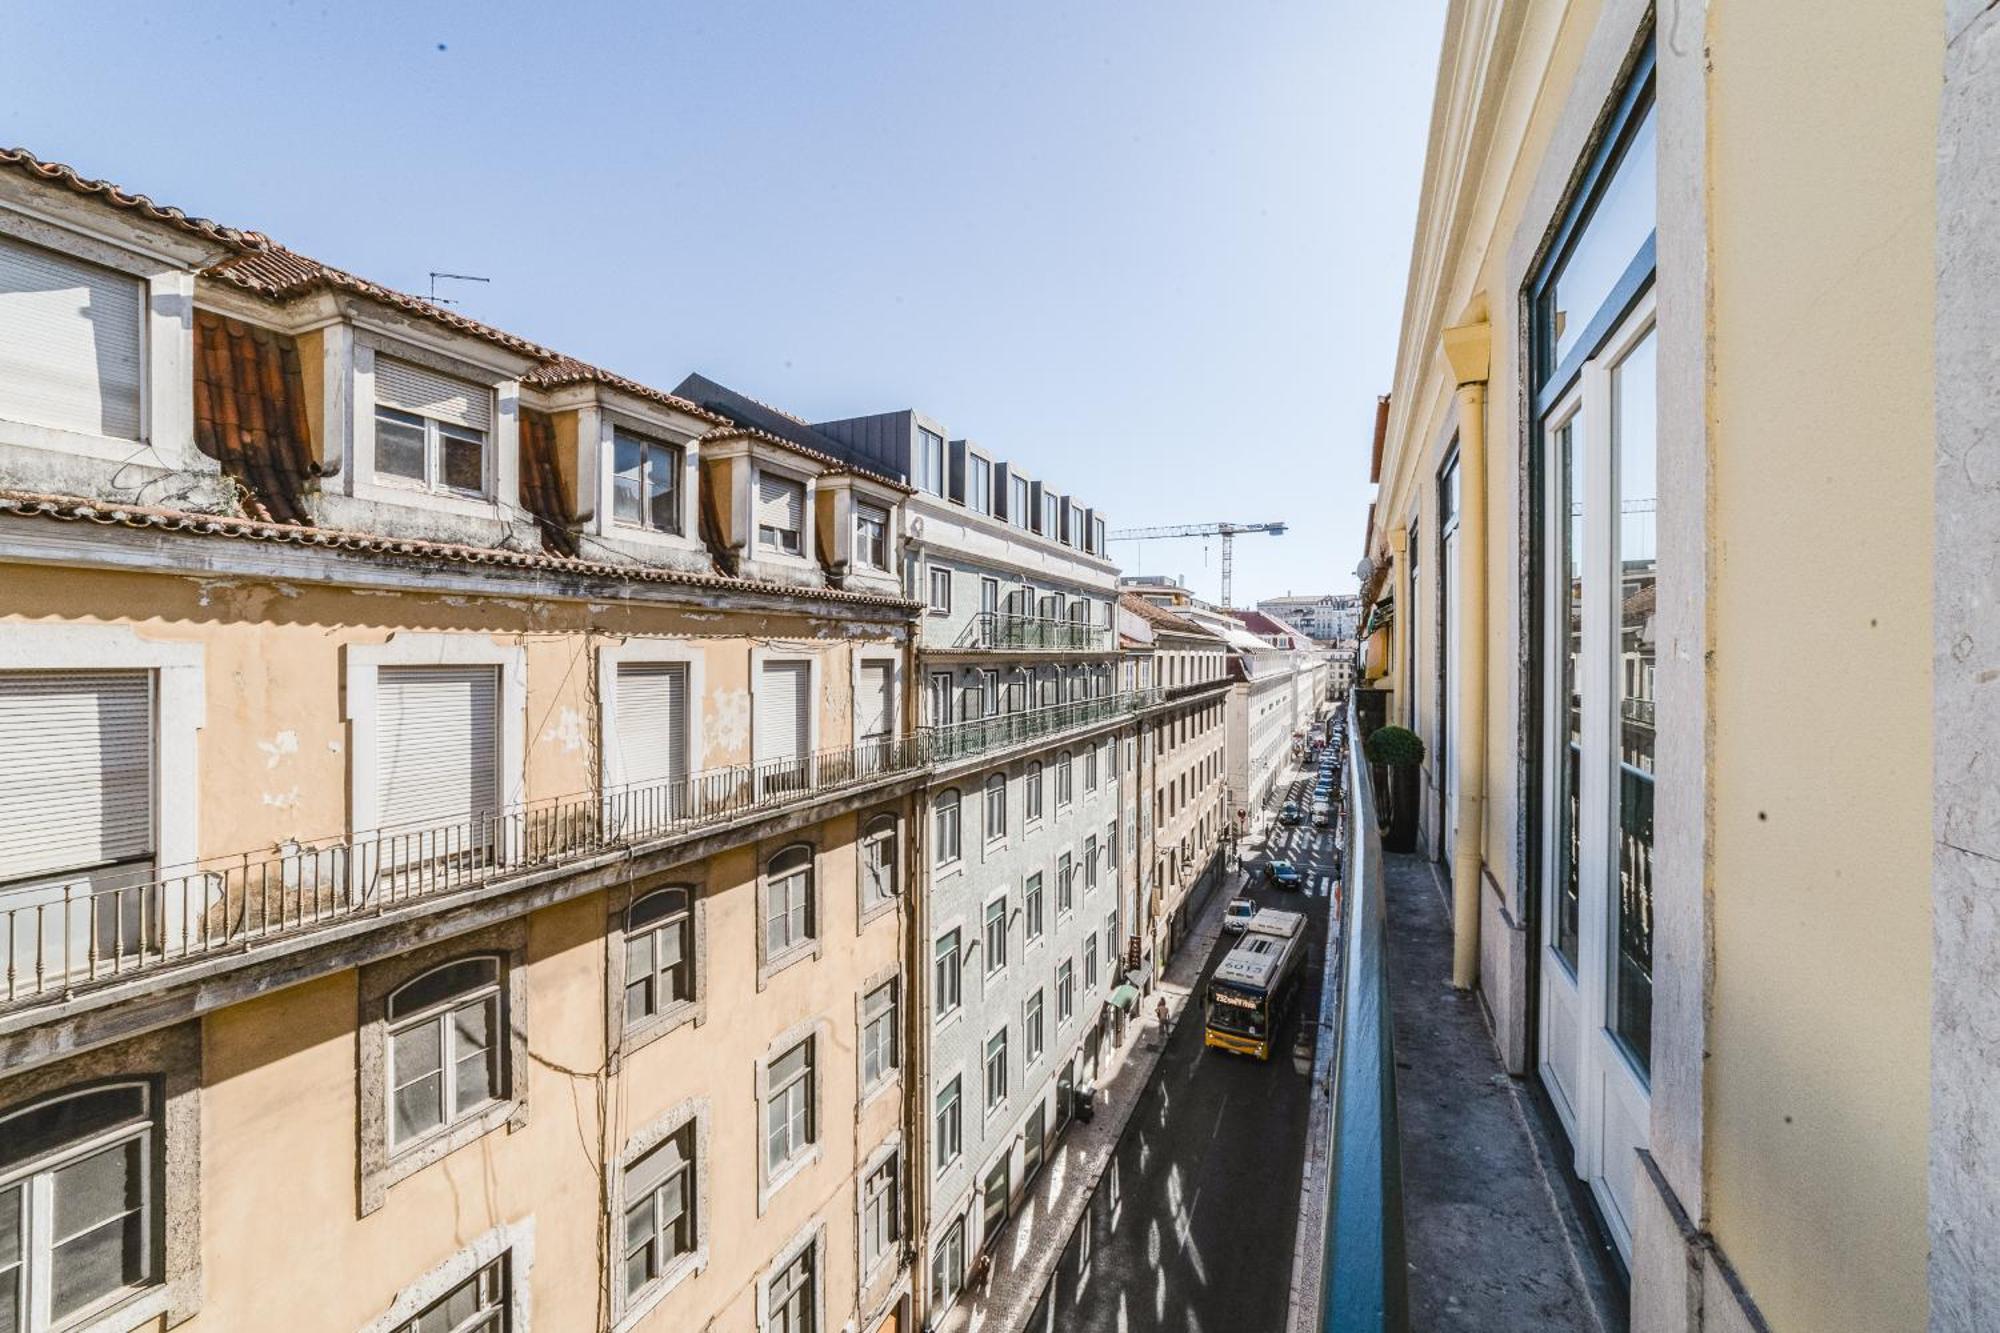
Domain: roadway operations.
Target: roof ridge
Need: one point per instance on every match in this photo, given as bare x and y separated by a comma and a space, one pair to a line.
60, 173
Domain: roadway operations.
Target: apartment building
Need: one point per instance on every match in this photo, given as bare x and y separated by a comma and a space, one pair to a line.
1185, 810
455, 813
1021, 827
1694, 371
1265, 708
1325, 617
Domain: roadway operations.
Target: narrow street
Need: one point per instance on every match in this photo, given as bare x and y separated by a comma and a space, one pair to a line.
1191, 1227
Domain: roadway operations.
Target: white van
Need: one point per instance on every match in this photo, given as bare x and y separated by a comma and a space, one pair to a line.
1322, 814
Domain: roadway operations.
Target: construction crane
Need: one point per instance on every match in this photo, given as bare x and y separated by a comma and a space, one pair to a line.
1227, 531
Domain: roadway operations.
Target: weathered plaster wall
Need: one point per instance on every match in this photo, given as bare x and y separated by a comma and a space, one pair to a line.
1965, 1117
1822, 186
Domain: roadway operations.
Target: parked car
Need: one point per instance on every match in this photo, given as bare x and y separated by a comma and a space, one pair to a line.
1289, 814
1237, 916
1283, 874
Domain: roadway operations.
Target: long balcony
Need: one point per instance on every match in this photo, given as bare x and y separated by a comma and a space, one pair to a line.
1002, 632
1435, 1203
60, 939
1003, 731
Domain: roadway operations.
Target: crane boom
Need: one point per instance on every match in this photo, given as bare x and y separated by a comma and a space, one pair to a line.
1225, 530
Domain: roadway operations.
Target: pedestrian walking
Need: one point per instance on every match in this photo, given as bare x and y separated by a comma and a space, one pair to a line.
1163, 1013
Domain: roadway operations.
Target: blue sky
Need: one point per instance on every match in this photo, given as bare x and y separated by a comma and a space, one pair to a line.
1155, 251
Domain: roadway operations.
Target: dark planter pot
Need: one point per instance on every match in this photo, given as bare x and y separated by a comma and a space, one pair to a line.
1401, 833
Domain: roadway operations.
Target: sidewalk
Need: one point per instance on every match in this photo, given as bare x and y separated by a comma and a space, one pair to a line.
1049, 1211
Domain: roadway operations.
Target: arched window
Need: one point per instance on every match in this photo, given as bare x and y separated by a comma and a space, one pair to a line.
996, 807
788, 900
945, 829
659, 953
878, 860
444, 1047
80, 1207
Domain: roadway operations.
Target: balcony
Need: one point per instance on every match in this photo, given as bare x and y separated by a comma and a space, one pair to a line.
1003, 731
62, 939
1001, 632
1435, 1203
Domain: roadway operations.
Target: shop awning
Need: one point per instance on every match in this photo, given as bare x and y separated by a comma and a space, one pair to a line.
1125, 997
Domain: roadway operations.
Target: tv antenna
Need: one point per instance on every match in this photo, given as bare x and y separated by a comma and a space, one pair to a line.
435, 299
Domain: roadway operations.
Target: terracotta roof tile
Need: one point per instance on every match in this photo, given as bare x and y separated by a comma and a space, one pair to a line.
249, 413
1154, 614
55, 173
542, 491
29, 504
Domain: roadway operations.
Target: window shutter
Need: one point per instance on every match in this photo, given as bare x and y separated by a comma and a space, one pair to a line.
780, 503
436, 739
652, 737
878, 705
783, 698
429, 394
69, 342
76, 770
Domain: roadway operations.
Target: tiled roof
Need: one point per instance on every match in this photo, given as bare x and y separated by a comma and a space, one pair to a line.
28, 504
832, 464
773, 425
567, 370
1154, 614
55, 173
249, 413
542, 491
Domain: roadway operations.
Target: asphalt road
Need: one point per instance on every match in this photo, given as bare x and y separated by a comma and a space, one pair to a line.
1192, 1224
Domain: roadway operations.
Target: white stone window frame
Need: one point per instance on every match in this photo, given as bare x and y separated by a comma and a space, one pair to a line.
629, 1310
597, 425
501, 500
170, 1062
516, 1240
1041, 936
931, 585
993, 832
180, 704
628, 1040
811, 1237
956, 861
166, 342
988, 967
956, 1162
944, 1018
362, 707
382, 1166
814, 945
889, 1150
815, 671
867, 1093
805, 478
1030, 1057
866, 656
647, 652
988, 1107
812, 1030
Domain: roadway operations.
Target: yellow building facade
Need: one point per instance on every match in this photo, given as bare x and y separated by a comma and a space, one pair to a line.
1661, 576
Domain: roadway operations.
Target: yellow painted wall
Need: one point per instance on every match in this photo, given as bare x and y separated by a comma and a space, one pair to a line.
1822, 139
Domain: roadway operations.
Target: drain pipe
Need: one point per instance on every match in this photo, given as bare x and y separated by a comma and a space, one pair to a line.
1468, 350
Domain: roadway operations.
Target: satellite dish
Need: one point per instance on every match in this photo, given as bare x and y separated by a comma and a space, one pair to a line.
1363, 571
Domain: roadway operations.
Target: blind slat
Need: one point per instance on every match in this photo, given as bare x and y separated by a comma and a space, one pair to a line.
783, 700
652, 737
427, 393
436, 744
70, 342
780, 503
76, 769
877, 704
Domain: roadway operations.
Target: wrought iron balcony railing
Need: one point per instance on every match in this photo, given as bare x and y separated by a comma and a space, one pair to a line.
64, 935
1001, 731
1000, 631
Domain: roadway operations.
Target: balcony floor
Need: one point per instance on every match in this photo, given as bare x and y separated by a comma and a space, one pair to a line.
1491, 1235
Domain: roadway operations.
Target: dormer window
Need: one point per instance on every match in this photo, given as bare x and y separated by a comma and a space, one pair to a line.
781, 514
1018, 508
871, 536
930, 461
645, 482
70, 343
431, 429
979, 489
1051, 516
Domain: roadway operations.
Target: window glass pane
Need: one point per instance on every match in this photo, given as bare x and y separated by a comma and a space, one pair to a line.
625, 481
12, 1273
1620, 221
1568, 540
662, 488
443, 983
462, 463
53, 1124
399, 443
1634, 384
99, 1227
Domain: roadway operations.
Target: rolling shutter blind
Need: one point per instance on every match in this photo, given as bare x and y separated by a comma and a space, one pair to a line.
76, 770
783, 696
436, 734
652, 737
878, 706
427, 393
69, 342
780, 503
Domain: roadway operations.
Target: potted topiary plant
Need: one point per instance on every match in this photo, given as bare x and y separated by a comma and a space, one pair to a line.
1397, 753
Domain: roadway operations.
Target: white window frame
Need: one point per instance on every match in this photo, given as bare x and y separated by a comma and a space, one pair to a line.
1034, 1028
939, 581
513, 1240
759, 658
996, 954
955, 1085
890, 981
888, 1157
363, 699
995, 812
957, 955
1032, 793
810, 1244
948, 811
1065, 993
690, 1117
357, 347
1034, 907
807, 945
647, 652
765, 550
866, 513
882, 827
441, 1014
996, 1091
809, 1151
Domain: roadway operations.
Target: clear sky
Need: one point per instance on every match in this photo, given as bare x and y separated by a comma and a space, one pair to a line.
1155, 250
